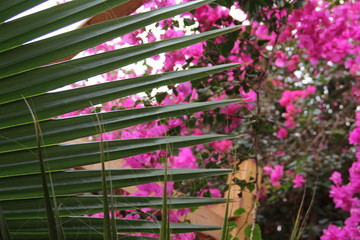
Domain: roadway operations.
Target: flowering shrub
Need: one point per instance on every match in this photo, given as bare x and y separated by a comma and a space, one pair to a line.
300, 85
344, 195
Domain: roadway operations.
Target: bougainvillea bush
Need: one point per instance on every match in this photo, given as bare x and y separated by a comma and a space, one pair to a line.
300, 81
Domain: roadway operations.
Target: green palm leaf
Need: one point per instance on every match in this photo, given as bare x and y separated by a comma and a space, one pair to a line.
52, 104
10, 8
81, 205
24, 83
72, 182
34, 54
84, 225
35, 25
63, 157
83, 236
65, 129
40, 80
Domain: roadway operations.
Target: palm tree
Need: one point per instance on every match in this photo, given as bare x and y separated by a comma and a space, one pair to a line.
40, 198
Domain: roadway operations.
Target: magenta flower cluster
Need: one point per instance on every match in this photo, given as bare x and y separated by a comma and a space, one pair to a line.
346, 196
323, 33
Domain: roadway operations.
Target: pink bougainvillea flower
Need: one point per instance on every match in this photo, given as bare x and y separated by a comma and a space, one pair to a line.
232, 109
185, 236
98, 215
311, 89
276, 175
357, 123
151, 37
354, 137
336, 178
352, 223
292, 63
132, 38
196, 51
354, 177
298, 181
249, 96
282, 133
342, 197
222, 145
186, 159
268, 169
213, 191
280, 153
286, 98
281, 59
184, 88
333, 233
128, 103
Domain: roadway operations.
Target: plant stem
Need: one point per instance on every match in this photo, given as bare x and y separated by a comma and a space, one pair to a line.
53, 231
107, 223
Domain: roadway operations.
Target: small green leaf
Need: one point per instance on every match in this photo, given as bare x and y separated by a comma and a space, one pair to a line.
232, 225
188, 22
256, 234
251, 187
239, 211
